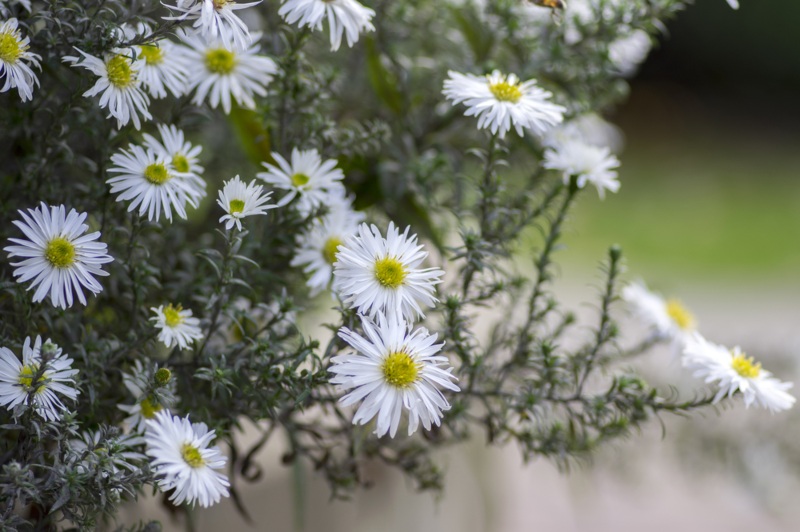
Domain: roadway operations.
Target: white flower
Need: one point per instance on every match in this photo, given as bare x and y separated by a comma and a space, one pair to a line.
314, 181
183, 155
57, 255
589, 128
589, 164
734, 371
668, 318
119, 84
345, 17
161, 66
147, 405
16, 60
393, 370
500, 101
240, 200
627, 53
183, 460
216, 19
28, 383
152, 182
317, 247
733, 3
375, 274
178, 327
218, 71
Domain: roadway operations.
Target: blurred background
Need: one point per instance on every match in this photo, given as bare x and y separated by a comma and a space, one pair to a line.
709, 212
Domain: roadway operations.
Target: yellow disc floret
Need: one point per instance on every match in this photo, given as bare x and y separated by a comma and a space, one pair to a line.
157, 174
680, 315
400, 370
236, 206
191, 455
299, 180
60, 252
10, 50
505, 91
220, 61
26, 375
180, 163
746, 366
172, 315
390, 272
153, 55
119, 71
331, 248
149, 408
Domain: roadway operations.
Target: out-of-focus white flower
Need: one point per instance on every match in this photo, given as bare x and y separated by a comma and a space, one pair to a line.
733, 3
345, 18
501, 101
733, 371
313, 181
587, 163
627, 53
668, 318
393, 370
589, 128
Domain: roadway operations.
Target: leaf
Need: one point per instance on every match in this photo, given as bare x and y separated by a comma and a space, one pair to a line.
383, 81
253, 137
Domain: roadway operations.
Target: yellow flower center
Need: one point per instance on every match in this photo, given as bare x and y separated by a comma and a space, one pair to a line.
746, 366
219, 4
235, 206
26, 378
60, 252
505, 91
331, 248
400, 370
149, 408
220, 61
180, 163
680, 314
191, 455
119, 71
10, 50
157, 174
300, 180
153, 55
172, 315
390, 272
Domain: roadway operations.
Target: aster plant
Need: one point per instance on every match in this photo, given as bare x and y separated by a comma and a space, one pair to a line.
383, 186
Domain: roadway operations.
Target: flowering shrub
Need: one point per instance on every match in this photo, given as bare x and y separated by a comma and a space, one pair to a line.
142, 321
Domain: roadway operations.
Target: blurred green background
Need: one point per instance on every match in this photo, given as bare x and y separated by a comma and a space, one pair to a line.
711, 169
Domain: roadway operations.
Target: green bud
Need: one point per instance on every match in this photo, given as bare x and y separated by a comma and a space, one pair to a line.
163, 376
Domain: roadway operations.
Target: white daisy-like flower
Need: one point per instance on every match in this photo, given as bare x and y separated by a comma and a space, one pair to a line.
16, 61
345, 17
119, 84
393, 369
240, 200
315, 182
57, 255
219, 72
27, 382
147, 405
153, 184
161, 66
375, 274
177, 325
318, 246
501, 101
587, 163
216, 19
732, 370
183, 460
668, 318
181, 153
